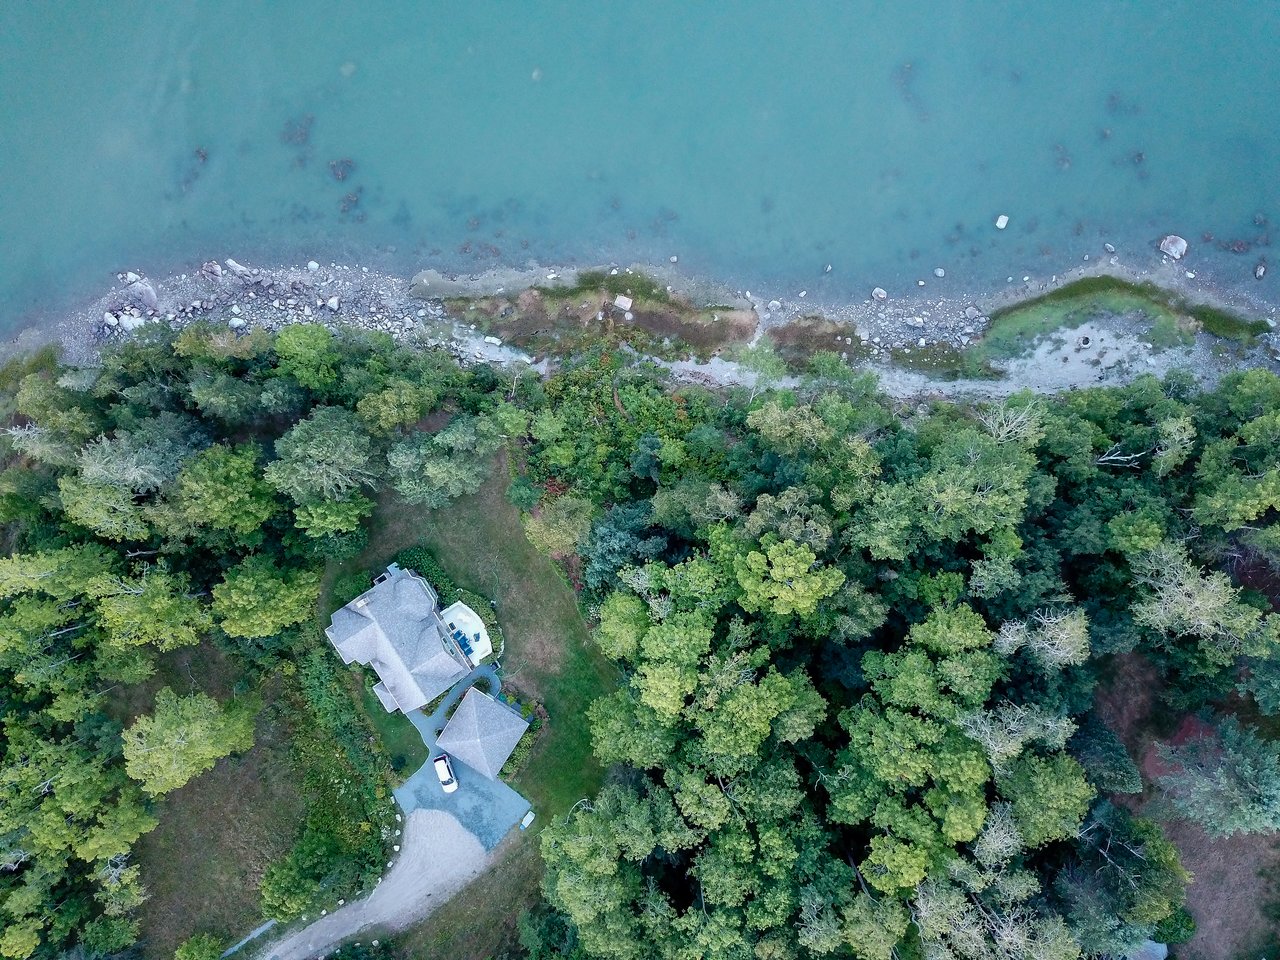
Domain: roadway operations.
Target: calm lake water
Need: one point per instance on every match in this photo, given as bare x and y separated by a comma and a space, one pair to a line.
758, 141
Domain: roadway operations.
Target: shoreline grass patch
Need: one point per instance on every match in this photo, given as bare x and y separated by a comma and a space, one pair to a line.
1174, 319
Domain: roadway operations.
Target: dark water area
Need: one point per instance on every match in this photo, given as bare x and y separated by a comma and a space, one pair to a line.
756, 141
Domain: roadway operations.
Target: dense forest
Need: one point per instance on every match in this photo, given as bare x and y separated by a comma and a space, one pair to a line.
857, 642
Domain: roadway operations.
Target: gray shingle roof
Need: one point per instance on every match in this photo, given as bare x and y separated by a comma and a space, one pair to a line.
395, 628
482, 733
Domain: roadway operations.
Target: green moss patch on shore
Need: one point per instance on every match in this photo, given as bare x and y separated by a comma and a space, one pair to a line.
1174, 319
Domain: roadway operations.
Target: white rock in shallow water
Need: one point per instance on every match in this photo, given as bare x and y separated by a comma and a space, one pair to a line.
312, 266
333, 304
131, 277
1109, 248
1174, 246
1001, 222
880, 293
1260, 270
939, 272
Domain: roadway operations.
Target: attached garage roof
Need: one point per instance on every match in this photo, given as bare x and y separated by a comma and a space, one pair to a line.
482, 733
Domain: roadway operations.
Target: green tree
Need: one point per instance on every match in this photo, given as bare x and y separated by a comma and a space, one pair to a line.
153, 607
182, 738
221, 488
307, 353
784, 579
560, 526
202, 946
1229, 783
1049, 797
256, 600
325, 518
108, 510
325, 456
432, 469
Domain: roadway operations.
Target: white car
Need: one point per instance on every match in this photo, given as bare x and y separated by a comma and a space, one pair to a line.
444, 770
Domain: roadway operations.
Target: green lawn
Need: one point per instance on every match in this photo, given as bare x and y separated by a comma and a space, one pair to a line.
549, 656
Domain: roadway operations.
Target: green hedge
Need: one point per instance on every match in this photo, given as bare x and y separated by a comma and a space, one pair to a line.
423, 562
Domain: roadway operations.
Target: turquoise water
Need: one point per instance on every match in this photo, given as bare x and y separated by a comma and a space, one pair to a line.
758, 141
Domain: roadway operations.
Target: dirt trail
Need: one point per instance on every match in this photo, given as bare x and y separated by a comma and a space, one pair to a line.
438, 857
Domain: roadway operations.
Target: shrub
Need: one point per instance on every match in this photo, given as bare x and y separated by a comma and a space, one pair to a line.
1177, 927
348, 586
424, 563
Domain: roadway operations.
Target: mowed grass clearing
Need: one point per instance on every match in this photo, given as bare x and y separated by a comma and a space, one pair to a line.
549, 656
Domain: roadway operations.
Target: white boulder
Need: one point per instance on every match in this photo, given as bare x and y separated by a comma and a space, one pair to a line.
312, 266
1001, 222
880, 293
333, 303
1174, 246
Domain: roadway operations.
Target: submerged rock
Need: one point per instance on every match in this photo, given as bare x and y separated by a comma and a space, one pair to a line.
1174, 246
1002, 221
939, 272
880, 293
1260, 270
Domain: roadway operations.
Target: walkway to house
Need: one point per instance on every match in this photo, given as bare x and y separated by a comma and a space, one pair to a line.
488, 808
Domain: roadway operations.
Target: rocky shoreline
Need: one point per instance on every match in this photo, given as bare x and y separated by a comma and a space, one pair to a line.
339, 295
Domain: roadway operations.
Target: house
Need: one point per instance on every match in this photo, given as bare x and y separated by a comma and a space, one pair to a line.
482, 733
418, 650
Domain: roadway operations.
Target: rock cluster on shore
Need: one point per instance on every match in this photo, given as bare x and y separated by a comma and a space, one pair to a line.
243, 297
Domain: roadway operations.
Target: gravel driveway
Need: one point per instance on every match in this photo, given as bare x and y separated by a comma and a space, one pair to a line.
438, 857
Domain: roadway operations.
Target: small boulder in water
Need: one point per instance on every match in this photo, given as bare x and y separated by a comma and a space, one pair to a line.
939, 272
1174, 246
1002, 221
880, 293
1260, 270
